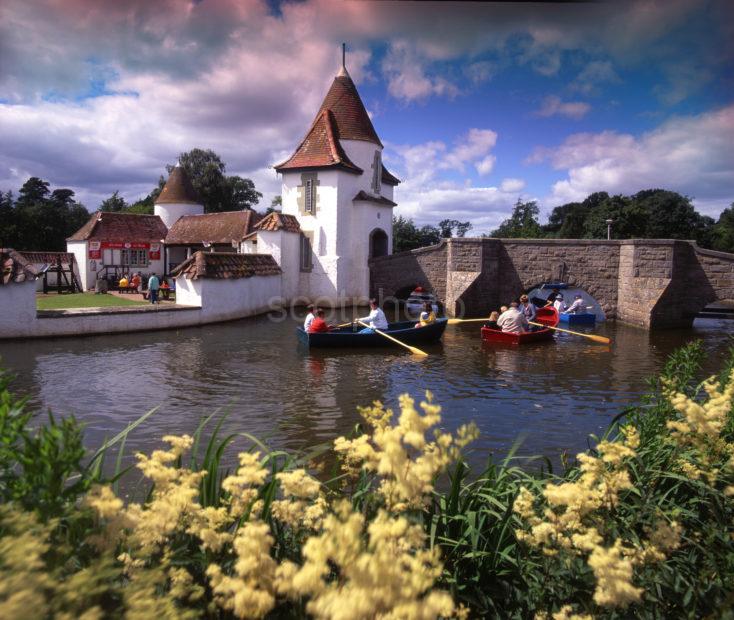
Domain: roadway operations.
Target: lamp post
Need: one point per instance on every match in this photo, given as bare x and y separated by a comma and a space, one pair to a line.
609, 229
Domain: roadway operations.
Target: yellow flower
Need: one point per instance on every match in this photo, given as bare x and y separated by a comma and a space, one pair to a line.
613, 574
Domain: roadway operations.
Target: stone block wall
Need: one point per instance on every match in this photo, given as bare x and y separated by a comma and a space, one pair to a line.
649, 283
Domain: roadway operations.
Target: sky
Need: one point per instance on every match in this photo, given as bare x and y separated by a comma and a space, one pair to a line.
478, 104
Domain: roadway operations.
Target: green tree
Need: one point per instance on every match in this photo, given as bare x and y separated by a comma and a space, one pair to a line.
407, 236
447, 228
630, 220
723, 231
276, 204
8, 220
672, 216
218, 192
522, 224
114, 203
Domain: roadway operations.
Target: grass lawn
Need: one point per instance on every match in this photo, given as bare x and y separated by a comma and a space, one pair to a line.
54, 301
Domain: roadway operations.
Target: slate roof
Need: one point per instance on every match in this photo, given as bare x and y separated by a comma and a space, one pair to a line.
106, 226
216, 228
320, 148
14, 268
226, 266
178, 189
380, 200
278, 221
342, 116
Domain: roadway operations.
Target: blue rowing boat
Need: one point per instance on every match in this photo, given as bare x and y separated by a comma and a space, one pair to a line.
582, 318
405, 331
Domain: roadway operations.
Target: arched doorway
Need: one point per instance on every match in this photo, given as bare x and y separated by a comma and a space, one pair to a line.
378, 243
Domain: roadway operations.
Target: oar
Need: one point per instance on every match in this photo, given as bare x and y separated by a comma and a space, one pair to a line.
413, 350
457, 321
594, 337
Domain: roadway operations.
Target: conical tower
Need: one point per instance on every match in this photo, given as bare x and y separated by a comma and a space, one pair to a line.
177, 198
341, 193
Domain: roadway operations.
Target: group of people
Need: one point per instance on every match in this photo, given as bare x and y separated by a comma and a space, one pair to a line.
315, 322
155, 286
519, 316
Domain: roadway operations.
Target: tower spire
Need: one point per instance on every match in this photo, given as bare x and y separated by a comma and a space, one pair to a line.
343, 70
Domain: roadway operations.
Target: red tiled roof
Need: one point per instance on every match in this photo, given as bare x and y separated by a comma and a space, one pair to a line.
380, 200
342, 116
178, 189
216, 228
388, 177
278, 221
320, 148
49, 258
14, 268
225, 266
107, 226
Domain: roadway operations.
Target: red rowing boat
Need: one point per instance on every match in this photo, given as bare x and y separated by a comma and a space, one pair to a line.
546, 316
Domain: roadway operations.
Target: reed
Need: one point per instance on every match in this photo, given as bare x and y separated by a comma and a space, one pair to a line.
641, 524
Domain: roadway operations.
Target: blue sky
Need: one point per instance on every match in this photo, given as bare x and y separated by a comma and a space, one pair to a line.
478, 104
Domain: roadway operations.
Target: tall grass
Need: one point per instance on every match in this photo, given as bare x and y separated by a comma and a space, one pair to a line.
490, 570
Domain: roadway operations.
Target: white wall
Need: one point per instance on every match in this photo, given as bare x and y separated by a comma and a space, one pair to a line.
17, 307
211, 301
169, 213
79, 250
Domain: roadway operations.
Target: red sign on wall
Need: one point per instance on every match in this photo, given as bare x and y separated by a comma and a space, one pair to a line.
94, 250
155, 251
126, 245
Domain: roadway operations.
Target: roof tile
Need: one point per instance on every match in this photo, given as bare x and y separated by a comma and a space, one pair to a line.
278, 221
216, 228
380, 200
226, 266
178, 189
109, 226
14, 268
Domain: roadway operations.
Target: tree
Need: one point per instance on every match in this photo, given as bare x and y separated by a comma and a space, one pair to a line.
276, 204
34, 190
217, 191
114, 203
447, 227
8, 220
407, 236
522, 224
672, 216
723, 231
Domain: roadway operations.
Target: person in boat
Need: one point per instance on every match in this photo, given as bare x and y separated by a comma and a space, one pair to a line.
577, 307
428, 316
527, 308
309, 317
512, 320
554, 294
558, 304
318, 325
375, 319
492, 320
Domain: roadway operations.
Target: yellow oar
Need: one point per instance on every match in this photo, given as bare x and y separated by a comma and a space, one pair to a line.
457, 321
413, 350
594, 337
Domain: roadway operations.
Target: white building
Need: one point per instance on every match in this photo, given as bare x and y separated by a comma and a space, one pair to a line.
337, 188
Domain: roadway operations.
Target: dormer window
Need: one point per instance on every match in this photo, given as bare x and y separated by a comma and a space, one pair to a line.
377, 173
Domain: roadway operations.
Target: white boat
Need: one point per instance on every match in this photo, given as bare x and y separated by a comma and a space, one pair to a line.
417, 301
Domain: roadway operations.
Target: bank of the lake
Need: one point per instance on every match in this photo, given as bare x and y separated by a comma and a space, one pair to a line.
551, 395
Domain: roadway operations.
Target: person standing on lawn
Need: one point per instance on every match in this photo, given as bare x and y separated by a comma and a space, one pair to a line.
153, 285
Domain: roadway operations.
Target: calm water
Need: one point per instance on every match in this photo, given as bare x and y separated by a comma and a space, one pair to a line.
551, 395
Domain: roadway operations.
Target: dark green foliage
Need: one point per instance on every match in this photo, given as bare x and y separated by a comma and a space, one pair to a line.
723, 231
39, 219
114, 203
407, 236
522, 224
453, 228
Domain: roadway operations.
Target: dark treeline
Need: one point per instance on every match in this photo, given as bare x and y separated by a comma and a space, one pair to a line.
648, 214
41, 219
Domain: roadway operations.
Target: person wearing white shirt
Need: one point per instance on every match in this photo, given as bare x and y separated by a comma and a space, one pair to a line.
309, 318
375, 319
577, 306
512, 320
558, 303
527, 308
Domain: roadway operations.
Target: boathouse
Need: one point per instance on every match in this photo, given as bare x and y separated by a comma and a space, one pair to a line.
111, 244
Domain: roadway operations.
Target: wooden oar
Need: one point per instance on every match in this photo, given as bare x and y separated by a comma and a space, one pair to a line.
457, 321
413, 350
594, 337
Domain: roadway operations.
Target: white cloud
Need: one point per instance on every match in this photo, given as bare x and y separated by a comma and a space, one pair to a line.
554, 106
512, 185
407, 77
691, 155
592, 75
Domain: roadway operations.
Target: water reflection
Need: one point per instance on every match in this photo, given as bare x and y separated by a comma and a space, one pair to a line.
552, 394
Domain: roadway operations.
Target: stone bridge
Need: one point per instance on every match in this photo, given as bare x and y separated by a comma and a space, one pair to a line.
652, 283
